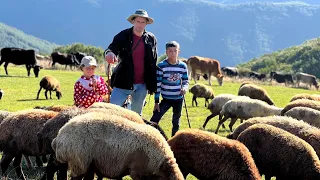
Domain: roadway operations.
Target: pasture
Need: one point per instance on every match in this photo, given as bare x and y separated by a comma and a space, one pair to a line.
20, 93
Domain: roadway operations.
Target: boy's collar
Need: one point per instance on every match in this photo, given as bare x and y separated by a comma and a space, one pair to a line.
177, 62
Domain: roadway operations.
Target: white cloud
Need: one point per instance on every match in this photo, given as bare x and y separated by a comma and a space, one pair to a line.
94, 2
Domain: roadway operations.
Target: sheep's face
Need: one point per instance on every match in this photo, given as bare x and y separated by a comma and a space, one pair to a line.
59, 94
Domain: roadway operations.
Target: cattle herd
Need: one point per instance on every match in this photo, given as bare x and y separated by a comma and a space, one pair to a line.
112, 142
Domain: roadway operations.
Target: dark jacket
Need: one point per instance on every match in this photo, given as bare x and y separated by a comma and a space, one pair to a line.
121, 46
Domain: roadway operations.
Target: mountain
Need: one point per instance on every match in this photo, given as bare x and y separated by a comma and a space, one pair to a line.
12, 37
231, 33
301, 58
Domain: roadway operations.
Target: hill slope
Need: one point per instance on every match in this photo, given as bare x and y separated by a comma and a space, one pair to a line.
12, 37
301, 58
231, 33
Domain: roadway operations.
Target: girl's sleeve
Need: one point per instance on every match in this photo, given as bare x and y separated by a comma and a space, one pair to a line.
101, 87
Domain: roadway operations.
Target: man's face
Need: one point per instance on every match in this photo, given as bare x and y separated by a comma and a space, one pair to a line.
139, 24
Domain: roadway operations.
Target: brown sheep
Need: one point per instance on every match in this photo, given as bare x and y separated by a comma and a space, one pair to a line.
203, 91
18, 136
299, 128
209, 156
279, 153
121, 147
315, 97
56, 108
255, 92
301, 103
50, 83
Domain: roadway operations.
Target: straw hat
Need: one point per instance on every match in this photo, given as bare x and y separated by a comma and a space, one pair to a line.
140, 13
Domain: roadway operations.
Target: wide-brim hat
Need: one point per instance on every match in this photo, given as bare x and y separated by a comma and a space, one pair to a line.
140, 13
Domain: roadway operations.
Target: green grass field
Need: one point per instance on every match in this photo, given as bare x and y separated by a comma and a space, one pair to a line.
20, 93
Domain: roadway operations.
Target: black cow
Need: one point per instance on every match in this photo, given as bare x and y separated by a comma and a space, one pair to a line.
64, 59
281, 78
79, 55
258, 76
230, 71
19, 57
1, 93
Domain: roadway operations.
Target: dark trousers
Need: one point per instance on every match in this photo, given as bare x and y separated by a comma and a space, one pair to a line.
165, 105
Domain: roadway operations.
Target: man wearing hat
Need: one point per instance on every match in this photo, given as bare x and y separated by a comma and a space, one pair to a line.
135, 74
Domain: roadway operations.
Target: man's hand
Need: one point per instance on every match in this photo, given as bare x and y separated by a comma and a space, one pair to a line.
156, 107
182, 91
111, 58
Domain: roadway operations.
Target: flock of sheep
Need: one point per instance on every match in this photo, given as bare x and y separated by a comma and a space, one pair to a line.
112, 142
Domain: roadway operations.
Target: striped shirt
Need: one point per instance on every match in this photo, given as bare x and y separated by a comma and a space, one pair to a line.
169, 79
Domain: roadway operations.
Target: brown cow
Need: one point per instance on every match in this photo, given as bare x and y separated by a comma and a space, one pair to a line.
205, 66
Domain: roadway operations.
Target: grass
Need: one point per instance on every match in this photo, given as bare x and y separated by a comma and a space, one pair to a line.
20, 93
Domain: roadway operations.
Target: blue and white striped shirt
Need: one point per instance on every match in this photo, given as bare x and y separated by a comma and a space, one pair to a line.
169, 79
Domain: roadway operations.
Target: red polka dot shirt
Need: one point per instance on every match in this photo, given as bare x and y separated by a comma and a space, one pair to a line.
84, 93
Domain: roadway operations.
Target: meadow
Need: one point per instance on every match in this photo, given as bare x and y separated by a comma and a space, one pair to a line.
20, 93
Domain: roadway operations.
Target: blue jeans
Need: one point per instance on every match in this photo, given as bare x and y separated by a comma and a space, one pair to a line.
165, 104
138, 96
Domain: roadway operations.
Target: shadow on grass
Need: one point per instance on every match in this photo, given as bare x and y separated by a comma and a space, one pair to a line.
10, 76
33, 99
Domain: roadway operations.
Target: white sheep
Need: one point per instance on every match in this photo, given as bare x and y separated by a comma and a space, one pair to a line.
245, 108
216, 106
116, 147
305, 114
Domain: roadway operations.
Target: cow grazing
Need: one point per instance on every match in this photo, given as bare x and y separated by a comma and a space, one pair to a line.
205, 66
79, 55
260, 77
64, 59
281, 78
230, 71
19, 56
307, 78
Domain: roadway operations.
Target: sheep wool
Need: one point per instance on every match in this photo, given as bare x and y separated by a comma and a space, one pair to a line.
121, 147
279, 153
301, 103
299, 128
305, 114
255, 92
315, 97
202, 91
209, 156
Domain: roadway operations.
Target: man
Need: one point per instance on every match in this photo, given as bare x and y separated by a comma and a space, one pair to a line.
135, 75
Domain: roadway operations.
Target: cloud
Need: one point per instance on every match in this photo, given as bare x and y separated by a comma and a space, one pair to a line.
95, 3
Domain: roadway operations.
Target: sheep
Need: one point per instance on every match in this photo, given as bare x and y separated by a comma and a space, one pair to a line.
305, 114
245, 108
52, 126
301, 103
209, 156
4, 114
299, 128
1, 93
122, 147
18, 136
203, 91
255, 92
315, 97
50, 83
279, 153
56, 108
216, 105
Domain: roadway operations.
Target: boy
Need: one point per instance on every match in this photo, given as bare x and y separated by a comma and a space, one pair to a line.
89, 88
172, 84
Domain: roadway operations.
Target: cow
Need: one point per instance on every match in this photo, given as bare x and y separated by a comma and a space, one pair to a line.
79, 55
308, 79
19, 56
281, 78
258, 76
230, 71
205, 66
205, 76
64, 59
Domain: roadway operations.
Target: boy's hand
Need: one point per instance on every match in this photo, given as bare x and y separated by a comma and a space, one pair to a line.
111, 58
156, 107
182, 91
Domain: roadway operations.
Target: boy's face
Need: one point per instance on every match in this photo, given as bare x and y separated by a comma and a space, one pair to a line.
172, 52
89, 71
